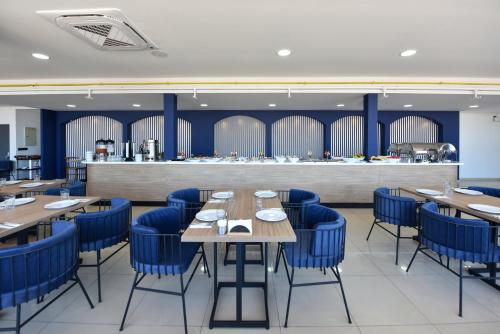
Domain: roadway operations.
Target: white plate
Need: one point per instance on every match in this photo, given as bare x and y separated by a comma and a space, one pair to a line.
265, 194
271, 215
209, 215
468, 191
485, 208
9, 183
31, 185
21, 201
61, 204
222, 195
429, 192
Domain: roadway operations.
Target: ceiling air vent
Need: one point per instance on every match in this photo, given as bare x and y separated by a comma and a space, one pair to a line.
105, 29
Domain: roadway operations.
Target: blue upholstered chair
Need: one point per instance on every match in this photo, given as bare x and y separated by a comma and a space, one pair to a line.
103, 229
320, 244
390, 208
156, 249
30, 271
495, 192
295, 202
469, 240
76, 188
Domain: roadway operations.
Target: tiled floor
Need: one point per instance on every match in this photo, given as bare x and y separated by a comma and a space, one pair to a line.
382, 297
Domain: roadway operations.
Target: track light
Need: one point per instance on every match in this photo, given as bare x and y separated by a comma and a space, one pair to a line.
89, 95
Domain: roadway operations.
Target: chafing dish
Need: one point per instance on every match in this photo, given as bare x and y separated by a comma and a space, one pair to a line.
423, 152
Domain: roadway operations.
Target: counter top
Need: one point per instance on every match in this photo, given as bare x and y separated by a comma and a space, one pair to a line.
269, 163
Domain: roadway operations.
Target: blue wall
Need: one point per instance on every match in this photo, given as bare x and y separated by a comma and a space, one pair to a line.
202, 125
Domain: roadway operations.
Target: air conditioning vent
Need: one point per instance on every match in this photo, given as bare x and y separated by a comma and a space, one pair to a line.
105, 29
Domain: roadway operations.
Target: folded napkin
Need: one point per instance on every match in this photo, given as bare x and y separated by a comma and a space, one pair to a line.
200, 225
8, 226
216, 201
440, 197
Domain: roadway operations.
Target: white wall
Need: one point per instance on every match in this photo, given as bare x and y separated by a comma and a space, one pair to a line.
8, 116
479, 144
27, 118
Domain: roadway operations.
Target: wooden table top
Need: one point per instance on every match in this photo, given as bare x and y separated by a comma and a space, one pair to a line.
460, 202
15, 189
31, 214
243, 207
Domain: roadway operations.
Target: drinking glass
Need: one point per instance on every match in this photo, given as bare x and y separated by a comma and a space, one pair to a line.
221, 214
9, 202
222, 226
446, 188
258, 204
3, 180
64, 194
36, 178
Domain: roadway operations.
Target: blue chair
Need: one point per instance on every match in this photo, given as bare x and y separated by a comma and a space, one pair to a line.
76, 188
319, 245
156, 249
295, 202
391, 208
495, 192
469, 240
103, 229
30, 271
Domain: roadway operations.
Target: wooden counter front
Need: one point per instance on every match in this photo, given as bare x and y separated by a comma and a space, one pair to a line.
335, 183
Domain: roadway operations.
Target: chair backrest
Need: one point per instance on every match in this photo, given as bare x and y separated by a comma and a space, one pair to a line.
298, 204
462, 239
76, 188
392, 209
495, 192
188, 201
32, 270
103, 229
155, 240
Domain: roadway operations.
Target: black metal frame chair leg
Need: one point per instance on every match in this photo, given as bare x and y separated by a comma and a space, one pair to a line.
461, 275
371, 229
130, 299
289, 295
397, 243
98, 256
183, 303
337, 275
278, 256
205, 262
413, 257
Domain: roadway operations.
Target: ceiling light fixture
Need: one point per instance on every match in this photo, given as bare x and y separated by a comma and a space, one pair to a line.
71, 106
204, 105
89, 95
408, 105
340, 105
284, 53
474, 106
136, 105
272, 105
408, 53
40, 56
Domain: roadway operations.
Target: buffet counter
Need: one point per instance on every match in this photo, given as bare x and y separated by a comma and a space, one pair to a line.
335, 182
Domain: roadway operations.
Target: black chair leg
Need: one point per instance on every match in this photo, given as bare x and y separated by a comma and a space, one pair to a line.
460, 289
397, 244
413, 257
99, 275
129, 300
205, 262
262, 253
289, 297
77, 278
278, 256
371, 229
18, 319
228, 245
183, 305
337, 274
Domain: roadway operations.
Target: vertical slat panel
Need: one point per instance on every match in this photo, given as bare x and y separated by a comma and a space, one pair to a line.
148, 128
414, 129
347, 136
82, 133
184, 136
243, 134
295, 135
379, 138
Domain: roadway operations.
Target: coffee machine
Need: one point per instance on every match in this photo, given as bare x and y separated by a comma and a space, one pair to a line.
150, 147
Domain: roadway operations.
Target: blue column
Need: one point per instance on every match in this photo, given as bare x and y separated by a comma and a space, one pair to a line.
370, 111
170, 126
48, 151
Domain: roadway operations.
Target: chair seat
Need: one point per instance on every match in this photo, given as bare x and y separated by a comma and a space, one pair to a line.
298, 254
92, 246
168, 263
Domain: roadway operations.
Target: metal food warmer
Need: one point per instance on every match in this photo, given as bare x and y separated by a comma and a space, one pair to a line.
424, 152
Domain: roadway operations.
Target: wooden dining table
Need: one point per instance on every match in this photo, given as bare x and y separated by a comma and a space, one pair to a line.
460, 202
16, 189
29, 215
243, 206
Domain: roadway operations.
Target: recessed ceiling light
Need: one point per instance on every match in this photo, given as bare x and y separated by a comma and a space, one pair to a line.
70, 106
284, 53
474, 106
136, 105
340, 105
40, 56
204, 105
272, 105
408, 53
408, 105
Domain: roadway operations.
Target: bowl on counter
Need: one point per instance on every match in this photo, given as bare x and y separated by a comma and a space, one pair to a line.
280, 158
353, 160
294, 159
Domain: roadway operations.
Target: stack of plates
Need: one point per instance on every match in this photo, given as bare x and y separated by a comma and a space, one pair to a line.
266, 194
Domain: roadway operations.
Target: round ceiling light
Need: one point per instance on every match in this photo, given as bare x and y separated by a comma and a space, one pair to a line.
474, 106
340, 105
136, 105
204, 105
272, 105
408, 53
40, 56
284, 52
408, 105
71, 106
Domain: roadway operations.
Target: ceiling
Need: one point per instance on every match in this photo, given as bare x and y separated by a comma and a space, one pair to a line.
302, 101
227, 38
